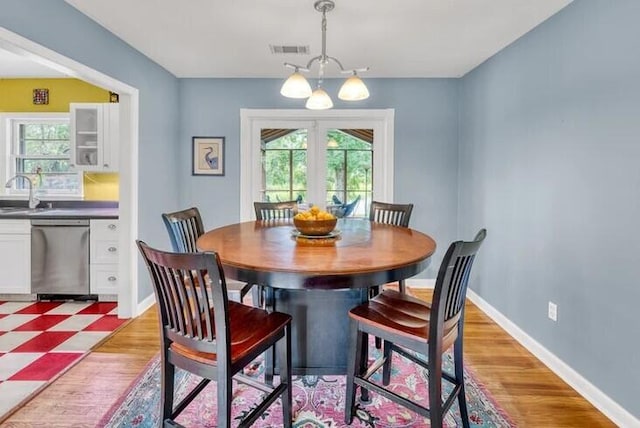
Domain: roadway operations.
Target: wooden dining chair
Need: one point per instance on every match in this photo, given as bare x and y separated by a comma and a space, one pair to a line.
185, 227
272, 211
387, 213
415, 329
204, 333
395, 215
275, 210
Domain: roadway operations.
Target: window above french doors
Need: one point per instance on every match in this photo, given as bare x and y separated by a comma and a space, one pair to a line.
336, 158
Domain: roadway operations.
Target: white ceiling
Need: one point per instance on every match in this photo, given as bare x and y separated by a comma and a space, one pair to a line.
407, 38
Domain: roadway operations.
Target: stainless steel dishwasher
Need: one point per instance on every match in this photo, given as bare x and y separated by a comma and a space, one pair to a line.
60, 256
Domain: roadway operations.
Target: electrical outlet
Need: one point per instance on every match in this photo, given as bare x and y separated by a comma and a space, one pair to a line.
553, 311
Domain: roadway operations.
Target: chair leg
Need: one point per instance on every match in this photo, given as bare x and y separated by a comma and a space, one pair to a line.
364, 363
225, 396
378, 343
269, 366
353, 368
245, 290
167, 382
373, 292
435, 388
266, 296
257, 296
402, 286
459, 373
386, 367
284, 358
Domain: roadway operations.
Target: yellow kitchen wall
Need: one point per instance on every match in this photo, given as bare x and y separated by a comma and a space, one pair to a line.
101, 187
16, 96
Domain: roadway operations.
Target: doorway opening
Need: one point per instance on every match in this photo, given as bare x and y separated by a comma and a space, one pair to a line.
128, 156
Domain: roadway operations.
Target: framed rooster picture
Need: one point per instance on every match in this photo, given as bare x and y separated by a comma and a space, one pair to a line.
208, 156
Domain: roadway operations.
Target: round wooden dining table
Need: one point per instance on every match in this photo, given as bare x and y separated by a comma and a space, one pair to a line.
318, 280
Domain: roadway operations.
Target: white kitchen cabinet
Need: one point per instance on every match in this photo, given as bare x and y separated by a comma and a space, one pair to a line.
103, 248
15, 256
94, 136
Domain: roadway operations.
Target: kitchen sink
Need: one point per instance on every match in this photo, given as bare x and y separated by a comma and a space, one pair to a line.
12, 209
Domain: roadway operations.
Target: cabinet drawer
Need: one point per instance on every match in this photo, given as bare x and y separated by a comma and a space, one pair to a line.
103, 251
104, 279
104, 229
15, 227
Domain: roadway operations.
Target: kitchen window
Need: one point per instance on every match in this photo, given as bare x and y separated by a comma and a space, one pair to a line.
39, 147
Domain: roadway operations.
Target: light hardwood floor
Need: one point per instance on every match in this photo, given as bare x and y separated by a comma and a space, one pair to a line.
530, 393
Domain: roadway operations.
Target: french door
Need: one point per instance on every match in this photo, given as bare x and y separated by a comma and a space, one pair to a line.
338, 160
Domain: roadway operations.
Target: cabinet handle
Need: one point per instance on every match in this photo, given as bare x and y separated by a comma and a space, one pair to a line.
112, 226
106, 165
111, 278
112, 249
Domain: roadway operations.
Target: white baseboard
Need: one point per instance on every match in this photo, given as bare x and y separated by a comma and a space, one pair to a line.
421, 283
591, 393
145, 304
19, 297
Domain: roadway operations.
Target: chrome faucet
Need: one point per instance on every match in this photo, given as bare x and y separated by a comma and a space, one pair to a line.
33, 201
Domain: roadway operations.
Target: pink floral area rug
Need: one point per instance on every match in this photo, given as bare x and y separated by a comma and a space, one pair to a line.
318, 401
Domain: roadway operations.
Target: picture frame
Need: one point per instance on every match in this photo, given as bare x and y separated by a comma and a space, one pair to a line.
208, 156
41, 96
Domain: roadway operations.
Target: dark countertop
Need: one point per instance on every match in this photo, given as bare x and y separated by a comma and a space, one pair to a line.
61, 210
59, 213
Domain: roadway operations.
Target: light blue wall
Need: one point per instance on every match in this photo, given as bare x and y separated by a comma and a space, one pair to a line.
60, 27
549, 163
548, 134
426, 150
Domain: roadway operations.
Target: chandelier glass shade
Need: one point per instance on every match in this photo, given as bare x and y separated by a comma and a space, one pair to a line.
353, 89
297, 86
319, 100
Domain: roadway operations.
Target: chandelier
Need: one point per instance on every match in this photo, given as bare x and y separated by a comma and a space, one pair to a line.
297, 86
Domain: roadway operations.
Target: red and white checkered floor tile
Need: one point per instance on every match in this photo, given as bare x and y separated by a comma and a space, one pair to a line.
40, 340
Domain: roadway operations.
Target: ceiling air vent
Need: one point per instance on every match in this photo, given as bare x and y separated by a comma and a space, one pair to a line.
296, 50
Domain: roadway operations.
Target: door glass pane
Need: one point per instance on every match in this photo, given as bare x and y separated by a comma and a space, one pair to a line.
349, 171
284, 165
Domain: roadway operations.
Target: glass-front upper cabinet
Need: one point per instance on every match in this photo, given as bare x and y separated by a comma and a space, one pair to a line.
94, 136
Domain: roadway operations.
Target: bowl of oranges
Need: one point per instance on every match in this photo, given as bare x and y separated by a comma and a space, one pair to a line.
314, 222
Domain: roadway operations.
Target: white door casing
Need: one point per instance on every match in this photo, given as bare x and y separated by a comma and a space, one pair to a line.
318, 123
128, 304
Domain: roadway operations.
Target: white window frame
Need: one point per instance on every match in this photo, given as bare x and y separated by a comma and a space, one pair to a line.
8, 129
318, 122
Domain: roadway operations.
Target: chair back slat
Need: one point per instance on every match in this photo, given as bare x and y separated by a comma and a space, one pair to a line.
184, 227
164, 296
275, 210
191, 292
393, 214
459, 280
451, 284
